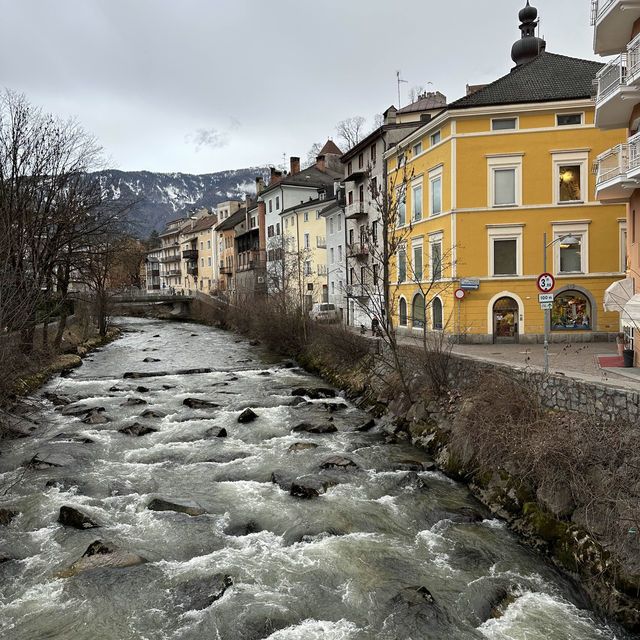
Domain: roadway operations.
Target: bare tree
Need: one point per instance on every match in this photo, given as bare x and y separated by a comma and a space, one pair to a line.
312, 154
350, 130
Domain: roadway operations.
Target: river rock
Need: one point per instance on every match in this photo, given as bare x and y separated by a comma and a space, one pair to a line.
461, 515
152, 413
248, 415
179, 506
197, 403
57, 400
264, 373
150, 359
6, 516
254, 343
216, 432
83, 410
298, 400
409, 464
99, 555
95, 416
46, 461
366, 426
338, 462
115, 388
282, 478
309, 487
137, 429
309, 532
200, 593
191, 372
142, 389
314, 394
132, 402
301, 446
332, 407
67, 437
324, 427
244, 529
144, 374
71, 517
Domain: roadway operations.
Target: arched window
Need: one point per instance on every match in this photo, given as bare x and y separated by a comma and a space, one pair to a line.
571, 311
417, 311
436, 314
402, 306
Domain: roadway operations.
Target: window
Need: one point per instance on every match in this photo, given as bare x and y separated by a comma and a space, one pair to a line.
417, 311
500, 124
305, 216
307, 267
402, 207
318, 215
253, 221
373, 154
339, 253
435, 257
402, 312
270, 231
208, 261
402, 265
202, 262
277, 202
201, 246
360, 161
208, 244
352, 238
286, 223
361, 193
306, 241
339, 223
435, 195
333, 286
332, 255
350, 197
569, 183
277, 228
623, 245
436, 314
570, 253
270, 206
330, 226
374, 233
363, 275
417, 149
435, 138
374, 187
568, 119
571, 311
504, 171
401, 159
504, 249
416, 202
376, 274
417, 262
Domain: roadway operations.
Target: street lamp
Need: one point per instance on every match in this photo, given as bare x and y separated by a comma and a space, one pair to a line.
570, 240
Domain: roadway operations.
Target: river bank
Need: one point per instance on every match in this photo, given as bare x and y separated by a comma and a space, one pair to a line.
566, 481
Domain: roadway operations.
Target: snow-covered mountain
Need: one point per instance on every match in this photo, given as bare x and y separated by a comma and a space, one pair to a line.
160, 197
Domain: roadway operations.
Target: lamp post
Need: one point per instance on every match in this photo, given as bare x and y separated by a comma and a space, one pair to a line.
547, 315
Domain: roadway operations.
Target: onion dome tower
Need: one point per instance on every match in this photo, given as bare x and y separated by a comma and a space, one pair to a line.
529, 46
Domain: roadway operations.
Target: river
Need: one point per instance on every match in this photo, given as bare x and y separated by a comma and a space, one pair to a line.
390, 549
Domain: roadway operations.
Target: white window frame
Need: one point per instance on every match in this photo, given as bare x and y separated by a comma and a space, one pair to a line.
435, 238
571, 113
575, 228
417, 149
504, 232
332, 256
402, 249
515, 128
401, 192
504, 161
306, 240
432, 138
435, 175
417, 243
415, 185
622, 239
305, 216
576, 157
331, 226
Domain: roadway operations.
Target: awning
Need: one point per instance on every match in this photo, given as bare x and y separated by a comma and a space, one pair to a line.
631, 311
617, 295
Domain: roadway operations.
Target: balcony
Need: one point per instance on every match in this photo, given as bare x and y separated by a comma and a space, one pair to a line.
357, 291
357, 250
321, 242
252, 259
323, 270
357, 209
612, 21
226, 269
173, 272
618, 171
192, 270
190, 254
172, 258
618, 89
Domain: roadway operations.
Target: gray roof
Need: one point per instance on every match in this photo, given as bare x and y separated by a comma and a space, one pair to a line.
309, 177
546, 78
232, 220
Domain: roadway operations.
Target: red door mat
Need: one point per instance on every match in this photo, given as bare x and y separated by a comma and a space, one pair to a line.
610, 361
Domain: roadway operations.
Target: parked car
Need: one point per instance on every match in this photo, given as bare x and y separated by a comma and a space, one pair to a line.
324, 312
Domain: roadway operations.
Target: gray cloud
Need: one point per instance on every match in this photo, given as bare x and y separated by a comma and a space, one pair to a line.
210, 138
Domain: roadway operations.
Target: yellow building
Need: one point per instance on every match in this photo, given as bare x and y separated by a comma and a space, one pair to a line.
198, 254
493, 186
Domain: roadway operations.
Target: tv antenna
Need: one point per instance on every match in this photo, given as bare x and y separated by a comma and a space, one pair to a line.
399, 81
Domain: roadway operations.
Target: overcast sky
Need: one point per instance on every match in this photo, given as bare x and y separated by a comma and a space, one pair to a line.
206, 85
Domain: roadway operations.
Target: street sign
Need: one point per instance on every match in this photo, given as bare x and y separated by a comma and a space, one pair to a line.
459, 293
546, 305
469, 283
545, 297
546, 282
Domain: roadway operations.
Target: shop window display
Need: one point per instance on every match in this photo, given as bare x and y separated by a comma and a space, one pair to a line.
571, 311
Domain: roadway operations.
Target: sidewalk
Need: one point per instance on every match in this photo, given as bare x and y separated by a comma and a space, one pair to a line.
575, 360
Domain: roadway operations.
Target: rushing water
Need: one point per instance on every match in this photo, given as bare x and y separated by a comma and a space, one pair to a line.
341, 566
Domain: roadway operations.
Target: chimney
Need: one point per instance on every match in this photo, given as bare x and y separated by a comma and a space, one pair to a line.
259, 185
321, 163
275, 177
262, 213
390, 115
295, 165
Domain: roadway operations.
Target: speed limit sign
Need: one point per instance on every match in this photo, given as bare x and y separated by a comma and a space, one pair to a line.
546, 282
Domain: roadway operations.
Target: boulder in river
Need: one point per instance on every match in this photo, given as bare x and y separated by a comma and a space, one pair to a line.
314, 394
144, 374
100, 555
366, 426
248, 415
83, 410
309, 427
189, 372
197, 403
309, 487
199, 593
152, 413
67, 437
180, 506
242, 529
46, 461
6, 516
301, 446
459, 515
71, 517
216, 432
282, 478
57, 400
96, 416
150, 359
137, 429
298, 400
132, 402
338, 462
141, 389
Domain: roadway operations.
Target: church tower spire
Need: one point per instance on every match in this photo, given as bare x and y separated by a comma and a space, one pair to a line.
529, 46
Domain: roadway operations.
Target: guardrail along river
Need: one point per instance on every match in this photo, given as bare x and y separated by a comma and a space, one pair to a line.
173, 530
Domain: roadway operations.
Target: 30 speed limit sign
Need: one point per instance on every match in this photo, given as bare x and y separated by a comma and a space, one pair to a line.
546, 282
